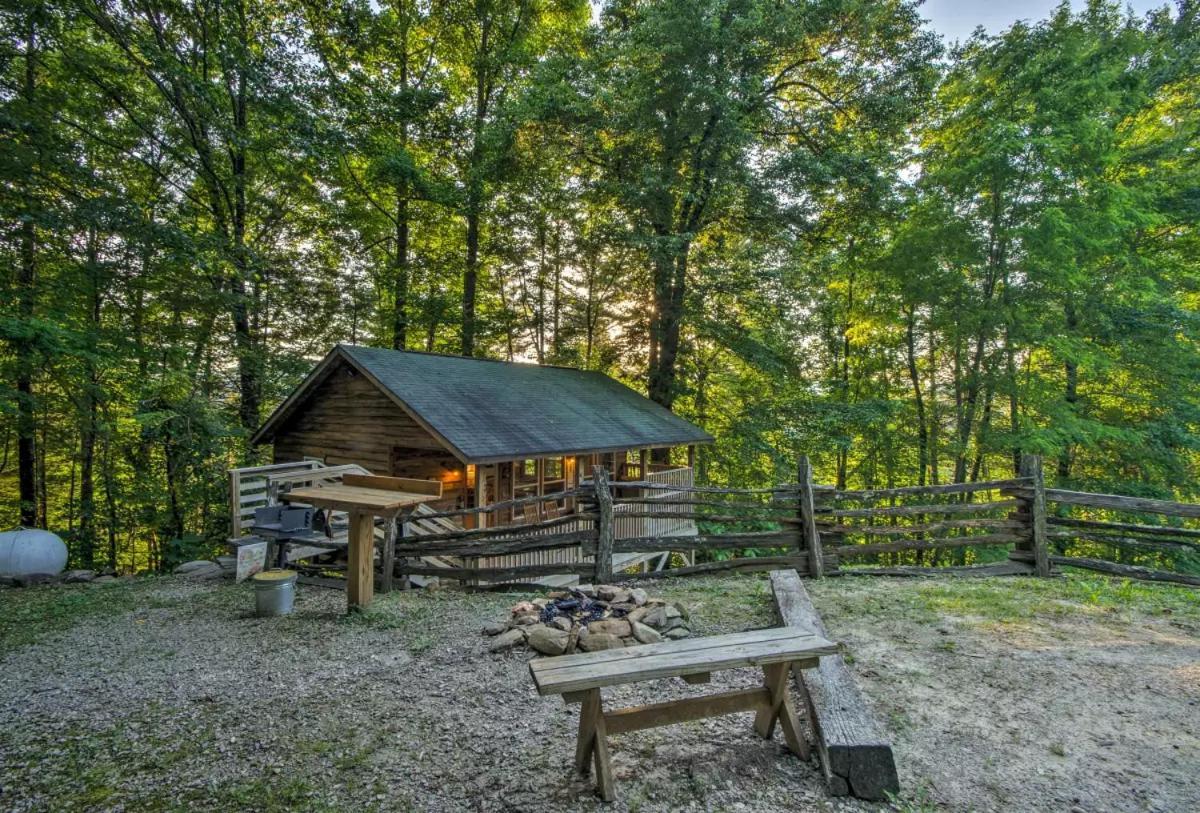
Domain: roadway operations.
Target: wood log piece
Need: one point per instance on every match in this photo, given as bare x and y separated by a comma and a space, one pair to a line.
927, 544
856, 757
1128, 571
948, 488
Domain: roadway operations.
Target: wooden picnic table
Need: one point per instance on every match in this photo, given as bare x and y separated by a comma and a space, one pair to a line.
364, 497
777, 651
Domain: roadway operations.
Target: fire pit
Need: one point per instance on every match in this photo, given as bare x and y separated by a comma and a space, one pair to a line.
589, 618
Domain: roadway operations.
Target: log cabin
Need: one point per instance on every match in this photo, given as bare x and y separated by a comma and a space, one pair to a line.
490, 431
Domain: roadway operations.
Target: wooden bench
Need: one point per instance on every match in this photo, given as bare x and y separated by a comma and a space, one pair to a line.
856, 758
579, 678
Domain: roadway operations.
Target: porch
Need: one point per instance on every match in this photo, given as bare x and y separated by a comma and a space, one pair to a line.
557, 481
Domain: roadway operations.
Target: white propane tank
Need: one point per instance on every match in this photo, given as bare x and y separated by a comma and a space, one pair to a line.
26, 551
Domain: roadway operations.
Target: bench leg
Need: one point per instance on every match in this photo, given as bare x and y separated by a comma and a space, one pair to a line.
604, 777
775, 678
592, 744
589, 710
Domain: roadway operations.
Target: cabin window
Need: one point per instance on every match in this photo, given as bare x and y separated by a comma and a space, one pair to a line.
554, 468
529, 468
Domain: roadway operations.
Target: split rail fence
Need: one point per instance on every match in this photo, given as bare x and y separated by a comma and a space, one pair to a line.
994, 527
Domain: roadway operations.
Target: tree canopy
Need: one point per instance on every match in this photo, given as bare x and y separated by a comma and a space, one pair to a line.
810, 227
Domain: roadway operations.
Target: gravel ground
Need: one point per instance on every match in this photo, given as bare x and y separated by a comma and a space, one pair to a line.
165, 694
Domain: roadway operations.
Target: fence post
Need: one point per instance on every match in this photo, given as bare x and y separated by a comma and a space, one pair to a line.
810, 538
1031, 466
604, 525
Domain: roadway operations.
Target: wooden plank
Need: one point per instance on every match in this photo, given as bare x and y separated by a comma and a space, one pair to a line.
782, 490
654, 544
589, 711
667, 661
924, 527
497, 546
855, 755
1128, 527
1008, 568
406, 484
604, 525
910, 510
355, 498
724, 518
498, 532
600, 755
1128, 571
1126, 540
809, 534
496, 574
508, 504
747, 565
696, 644
767, 510
1115, 502
927, 544
948, 488
686, 709
361, 570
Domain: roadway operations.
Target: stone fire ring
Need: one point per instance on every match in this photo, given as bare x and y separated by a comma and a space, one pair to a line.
589, 618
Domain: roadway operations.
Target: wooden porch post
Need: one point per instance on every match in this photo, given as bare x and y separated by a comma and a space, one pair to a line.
541, 484
643, 463
692, 457
512, 490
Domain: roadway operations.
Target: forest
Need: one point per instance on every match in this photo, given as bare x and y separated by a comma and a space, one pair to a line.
810, 227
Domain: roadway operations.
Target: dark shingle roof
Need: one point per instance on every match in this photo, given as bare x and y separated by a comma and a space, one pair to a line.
495, 410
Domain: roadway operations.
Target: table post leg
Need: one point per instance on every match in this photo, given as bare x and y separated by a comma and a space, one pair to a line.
360, 575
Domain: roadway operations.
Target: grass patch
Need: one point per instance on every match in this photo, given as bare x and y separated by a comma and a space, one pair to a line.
1007, 600
33, 613
1016, 599
721, 603
412, 613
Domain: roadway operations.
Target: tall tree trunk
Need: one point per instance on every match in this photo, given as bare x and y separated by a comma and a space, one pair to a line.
918, 400
1071, 392
1014, 415
110, 501
89, 412
934, 418
470, 274
556, 295
400, 270
24, 348
474, 201
670, 275
248, 356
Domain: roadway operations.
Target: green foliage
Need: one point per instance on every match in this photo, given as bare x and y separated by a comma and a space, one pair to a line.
802, 225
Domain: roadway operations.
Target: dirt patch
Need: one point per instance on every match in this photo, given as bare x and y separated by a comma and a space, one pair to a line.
1068, 705
186, 700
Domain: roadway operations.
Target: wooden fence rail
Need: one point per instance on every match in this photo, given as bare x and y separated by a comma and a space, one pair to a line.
1001, 526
